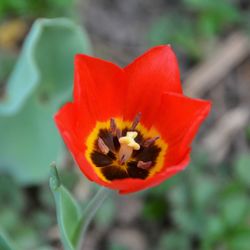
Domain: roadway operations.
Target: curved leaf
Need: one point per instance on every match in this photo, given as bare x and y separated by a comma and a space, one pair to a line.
68, 213
44, 60
41, 81
5, 244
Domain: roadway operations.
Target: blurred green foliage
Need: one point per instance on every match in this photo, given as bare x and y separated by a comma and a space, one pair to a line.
193, 25
37, 8
117, 247
106, 215
15, 207
209, 208
248, 134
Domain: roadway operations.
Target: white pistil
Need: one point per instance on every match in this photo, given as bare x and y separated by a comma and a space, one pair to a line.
128, 144
125, 153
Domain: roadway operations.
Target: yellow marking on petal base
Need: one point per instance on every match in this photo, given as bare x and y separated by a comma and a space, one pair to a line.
147, 134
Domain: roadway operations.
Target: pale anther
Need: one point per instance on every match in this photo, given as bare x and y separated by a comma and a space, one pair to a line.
136, 120
150, 141
113, 126
144, 165
102, 146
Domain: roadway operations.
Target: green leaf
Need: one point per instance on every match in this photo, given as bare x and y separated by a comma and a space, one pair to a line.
26, 72
4, 243
234, 208
214, 228
241, 169
7, 60
240, 241
115, 246
88, 214
174, 241
178, 31
48, 50
206, 193
29, 141
45, 248
177, 196
186, 221
73, 223
155, 208
68, 213
248, 128
40, 83
11, 195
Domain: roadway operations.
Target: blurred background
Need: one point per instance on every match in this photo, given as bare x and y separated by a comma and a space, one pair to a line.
205, 207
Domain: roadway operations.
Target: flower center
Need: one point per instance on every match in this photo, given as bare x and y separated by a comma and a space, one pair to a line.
121, 149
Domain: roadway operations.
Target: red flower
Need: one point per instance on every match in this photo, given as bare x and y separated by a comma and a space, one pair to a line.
130, 128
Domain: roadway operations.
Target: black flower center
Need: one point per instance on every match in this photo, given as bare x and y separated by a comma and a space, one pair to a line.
116, 160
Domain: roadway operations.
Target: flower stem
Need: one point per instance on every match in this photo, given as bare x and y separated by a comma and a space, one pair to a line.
89, 213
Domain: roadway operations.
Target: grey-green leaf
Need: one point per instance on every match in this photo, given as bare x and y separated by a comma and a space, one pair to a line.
29, 141
44, 60
4, 243
241, 169
40, 83
68, 212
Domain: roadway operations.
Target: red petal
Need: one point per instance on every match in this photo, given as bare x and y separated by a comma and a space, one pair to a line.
99, 85
178, 122
74, 132
150, 75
